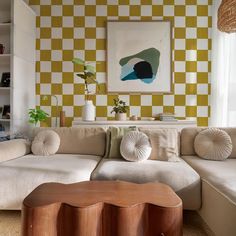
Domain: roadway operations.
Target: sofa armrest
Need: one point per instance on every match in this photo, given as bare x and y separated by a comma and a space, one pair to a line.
14, 148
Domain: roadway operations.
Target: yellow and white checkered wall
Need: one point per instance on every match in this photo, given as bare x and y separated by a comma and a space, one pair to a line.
77, 28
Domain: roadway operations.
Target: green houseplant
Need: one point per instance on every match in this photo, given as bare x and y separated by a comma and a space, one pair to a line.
88, 75
120, 108
36, 115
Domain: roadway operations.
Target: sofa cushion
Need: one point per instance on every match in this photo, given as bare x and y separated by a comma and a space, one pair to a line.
116, 135
178, 175
20, 176
80, 140
188, 135
135, 146
213, 144
13, 149
45, 143
221, 175
164, 142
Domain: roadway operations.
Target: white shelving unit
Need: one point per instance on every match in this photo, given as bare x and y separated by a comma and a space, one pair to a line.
18, 35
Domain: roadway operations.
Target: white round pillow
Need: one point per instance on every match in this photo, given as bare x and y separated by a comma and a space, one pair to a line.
213, 144
45, 143
135, 146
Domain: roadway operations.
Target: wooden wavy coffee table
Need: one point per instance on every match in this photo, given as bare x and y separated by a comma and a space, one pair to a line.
102, 208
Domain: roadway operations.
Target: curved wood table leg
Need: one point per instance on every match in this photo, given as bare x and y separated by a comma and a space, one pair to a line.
102, 208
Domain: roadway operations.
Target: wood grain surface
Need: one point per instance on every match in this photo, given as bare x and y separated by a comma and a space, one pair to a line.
102, 208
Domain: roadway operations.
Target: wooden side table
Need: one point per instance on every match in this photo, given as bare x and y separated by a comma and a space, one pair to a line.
102, 208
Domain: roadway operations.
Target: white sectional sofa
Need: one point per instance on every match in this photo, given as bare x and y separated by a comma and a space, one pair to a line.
203, 185
218, 183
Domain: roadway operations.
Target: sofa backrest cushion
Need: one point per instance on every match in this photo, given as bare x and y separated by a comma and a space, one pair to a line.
188, 135
164, 142
80, 140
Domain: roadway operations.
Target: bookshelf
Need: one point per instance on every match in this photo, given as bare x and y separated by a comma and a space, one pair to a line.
17, 36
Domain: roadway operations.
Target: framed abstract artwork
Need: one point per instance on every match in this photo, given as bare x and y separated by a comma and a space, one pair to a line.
139, 56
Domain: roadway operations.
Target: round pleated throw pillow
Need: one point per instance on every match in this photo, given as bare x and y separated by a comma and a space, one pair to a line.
45, 143
213, 144
135, 146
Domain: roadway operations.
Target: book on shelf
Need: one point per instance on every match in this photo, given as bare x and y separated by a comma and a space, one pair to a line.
167, 117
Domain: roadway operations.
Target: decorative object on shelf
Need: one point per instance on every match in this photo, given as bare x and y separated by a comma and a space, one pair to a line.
133, 118
88, 75
120, 108
62, 119
2, 48
88, 111
36, 115
151, 118
6, 112
227, 16
167, 117
139, 67
5, 80
1, 109
45, 97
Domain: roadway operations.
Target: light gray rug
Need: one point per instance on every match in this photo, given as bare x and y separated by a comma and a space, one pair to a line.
10, 223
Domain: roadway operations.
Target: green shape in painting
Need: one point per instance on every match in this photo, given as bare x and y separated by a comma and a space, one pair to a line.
143, 65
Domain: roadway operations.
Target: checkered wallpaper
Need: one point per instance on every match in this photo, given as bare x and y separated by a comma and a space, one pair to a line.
76, 28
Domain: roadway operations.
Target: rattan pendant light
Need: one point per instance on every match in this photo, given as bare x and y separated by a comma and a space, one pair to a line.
227, 16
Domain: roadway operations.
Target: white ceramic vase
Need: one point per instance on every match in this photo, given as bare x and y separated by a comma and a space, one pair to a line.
88, 111
121, 116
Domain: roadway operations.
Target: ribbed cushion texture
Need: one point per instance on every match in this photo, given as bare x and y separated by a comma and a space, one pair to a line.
135, 146
46, 143
213, 144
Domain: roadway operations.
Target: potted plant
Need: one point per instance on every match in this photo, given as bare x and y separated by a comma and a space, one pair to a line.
88, 75
120, 108
36, 115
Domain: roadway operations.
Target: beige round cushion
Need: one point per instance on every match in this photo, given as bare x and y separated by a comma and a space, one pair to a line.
135, 146
213, 144
45, 143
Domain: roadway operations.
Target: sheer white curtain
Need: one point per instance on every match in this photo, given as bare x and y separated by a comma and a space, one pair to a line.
223, 77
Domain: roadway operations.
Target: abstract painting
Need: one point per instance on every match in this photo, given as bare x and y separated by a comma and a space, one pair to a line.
139, 56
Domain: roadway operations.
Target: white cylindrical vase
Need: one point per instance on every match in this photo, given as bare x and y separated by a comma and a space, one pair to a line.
88, 111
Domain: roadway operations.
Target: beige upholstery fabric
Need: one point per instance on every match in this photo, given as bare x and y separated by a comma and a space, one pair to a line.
178, 175
188, 136
45, 143
213, 144
217, 211
80, 140
135, 146
221, 174
20, 176
116, 135
13, 148
164, 142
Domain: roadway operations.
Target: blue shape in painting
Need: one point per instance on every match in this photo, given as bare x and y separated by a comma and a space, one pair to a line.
143, 65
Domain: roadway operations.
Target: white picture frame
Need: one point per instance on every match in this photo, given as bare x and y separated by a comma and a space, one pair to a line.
139, 56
